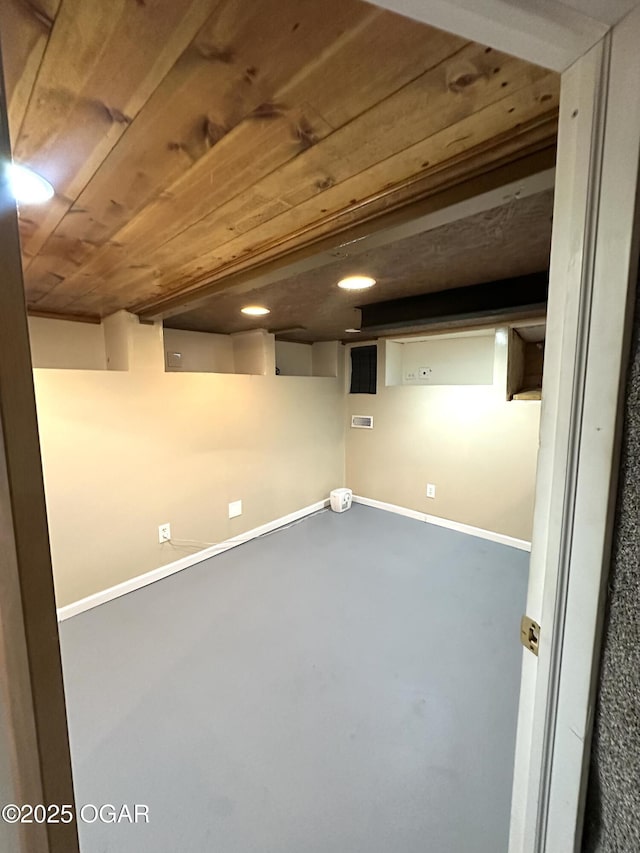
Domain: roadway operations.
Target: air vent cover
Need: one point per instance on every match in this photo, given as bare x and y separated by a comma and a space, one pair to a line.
362, 421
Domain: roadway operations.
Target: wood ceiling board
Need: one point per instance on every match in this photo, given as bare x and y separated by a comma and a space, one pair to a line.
317, 222
274, 228
190, 143
102, 62
505, 242
24, 32
279, 130
222, 77
341, 167
404, 212
341, 170
92, 319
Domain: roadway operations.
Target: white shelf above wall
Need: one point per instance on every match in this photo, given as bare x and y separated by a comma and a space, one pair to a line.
461, 358
299, 359
249, 352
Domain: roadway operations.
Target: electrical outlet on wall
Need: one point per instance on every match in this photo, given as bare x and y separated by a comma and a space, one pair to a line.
410, 375
235, 509
164, 533
431, 490
424, 372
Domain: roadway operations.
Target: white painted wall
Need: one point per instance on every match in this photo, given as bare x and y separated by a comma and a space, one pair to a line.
451, 360
201, 352
293, 359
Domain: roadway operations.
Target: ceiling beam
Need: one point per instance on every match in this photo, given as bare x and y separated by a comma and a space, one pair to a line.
505, 298
515, 180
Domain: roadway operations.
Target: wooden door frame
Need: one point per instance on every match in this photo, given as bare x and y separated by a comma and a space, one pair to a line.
594, 265
31, 687
592, 282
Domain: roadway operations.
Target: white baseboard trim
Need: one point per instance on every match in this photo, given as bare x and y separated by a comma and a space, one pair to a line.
521, 544
154, 575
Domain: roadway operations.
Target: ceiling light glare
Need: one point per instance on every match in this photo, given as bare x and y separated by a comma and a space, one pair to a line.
26, 186
352, 331
356, 282
255, 310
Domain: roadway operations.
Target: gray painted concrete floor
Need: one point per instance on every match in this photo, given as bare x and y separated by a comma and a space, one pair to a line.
348, 684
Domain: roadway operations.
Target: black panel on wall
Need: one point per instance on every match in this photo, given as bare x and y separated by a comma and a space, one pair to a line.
364, 370
612, 821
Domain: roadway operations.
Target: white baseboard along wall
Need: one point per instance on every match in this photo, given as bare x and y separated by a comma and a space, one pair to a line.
154, 575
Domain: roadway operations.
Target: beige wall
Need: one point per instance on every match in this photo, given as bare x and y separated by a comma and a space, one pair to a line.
63, 344
126, 450
479, 450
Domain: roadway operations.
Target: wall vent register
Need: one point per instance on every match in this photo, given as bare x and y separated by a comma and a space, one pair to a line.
362, 421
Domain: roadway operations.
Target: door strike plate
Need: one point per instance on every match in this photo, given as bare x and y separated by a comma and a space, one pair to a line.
530, 634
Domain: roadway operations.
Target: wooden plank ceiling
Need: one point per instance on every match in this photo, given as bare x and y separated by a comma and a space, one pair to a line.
189, 139
504, 242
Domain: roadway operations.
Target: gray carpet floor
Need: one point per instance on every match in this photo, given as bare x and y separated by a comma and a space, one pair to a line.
346, 685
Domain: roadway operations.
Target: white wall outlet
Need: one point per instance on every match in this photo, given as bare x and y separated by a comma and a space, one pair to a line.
424, 372
164, 533
431, 490
410, 375
235, 509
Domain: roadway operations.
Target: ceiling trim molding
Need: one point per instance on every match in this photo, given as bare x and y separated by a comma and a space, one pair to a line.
75, 318
548, 33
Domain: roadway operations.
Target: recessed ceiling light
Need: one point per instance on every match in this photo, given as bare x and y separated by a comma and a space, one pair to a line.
27, 187
255, 310
352, 330
356, 282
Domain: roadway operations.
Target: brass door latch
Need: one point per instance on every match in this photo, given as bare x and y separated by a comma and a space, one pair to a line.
530, 634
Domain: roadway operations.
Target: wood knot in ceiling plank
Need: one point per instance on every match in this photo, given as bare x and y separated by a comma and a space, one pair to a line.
36, 11
268, 109
215, 53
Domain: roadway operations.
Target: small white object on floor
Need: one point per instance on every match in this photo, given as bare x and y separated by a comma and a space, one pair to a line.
341, 499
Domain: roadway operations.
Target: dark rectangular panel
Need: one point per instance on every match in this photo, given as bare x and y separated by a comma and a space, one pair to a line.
490, 299
364, 370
